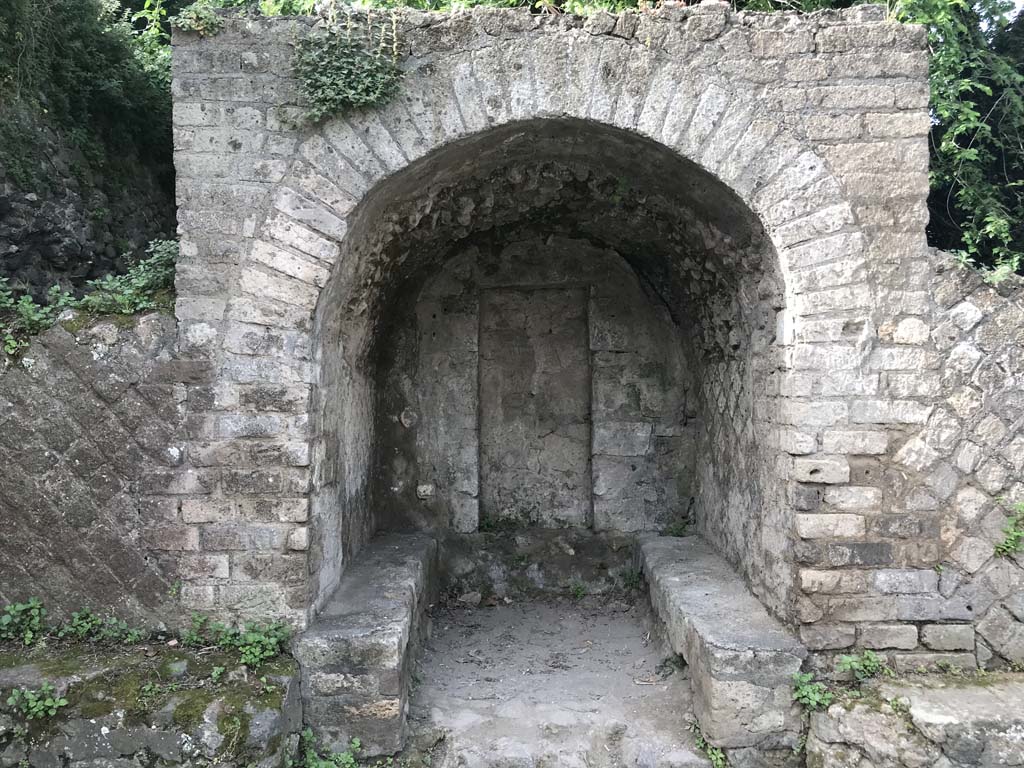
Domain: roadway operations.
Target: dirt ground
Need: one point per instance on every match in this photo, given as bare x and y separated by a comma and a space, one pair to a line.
552, 682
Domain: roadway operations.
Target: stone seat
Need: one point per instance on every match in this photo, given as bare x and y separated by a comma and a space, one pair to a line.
357, 656
741, 659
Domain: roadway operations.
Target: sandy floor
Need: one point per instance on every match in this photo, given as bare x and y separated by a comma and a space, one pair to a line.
553, 683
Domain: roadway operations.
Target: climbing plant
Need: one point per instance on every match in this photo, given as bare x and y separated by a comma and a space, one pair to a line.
351, 65
977, 141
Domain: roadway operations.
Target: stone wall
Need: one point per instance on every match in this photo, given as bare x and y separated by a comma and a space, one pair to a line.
772, 194
936, 490
91, 429
65, 217
610, 402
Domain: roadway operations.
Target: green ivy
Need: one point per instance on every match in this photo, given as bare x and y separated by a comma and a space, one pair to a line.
348, 67
977, 157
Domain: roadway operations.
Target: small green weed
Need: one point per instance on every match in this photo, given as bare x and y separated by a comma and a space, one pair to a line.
85, 626
254, 644
577, 590
311, 757
632, 580
809, 694
347, 68
22, 622
36, 705
677, 528
1013, 539
146, 285
216, 673
713, 753
863, 666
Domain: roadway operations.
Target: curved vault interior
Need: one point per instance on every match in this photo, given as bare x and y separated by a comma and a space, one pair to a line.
584, 211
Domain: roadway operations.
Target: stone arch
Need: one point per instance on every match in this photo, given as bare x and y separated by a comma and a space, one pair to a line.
345, 172
476, 78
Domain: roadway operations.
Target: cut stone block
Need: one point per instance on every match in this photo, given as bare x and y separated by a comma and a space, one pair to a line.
742, 660
357, 656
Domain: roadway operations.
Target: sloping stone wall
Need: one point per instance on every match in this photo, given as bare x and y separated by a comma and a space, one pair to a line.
92, 424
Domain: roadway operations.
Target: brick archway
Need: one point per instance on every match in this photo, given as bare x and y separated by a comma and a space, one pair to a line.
833, 173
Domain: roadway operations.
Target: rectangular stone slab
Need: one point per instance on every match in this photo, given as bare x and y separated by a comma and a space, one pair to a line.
356, 657
742, 660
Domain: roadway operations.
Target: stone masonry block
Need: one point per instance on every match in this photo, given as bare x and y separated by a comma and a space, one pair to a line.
821, 469
880, 636
741, 670
948, 637
837, 526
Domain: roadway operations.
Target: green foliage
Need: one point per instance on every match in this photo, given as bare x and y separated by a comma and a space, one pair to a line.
677, 528
714, 754
863, 665
85, 626
22, 622
311, 757
810, 694
577, 590
632, 580
254, 644
977, 99
101, 76
200, 17
1013, 540
148, 285
36, 705
145, 286
348, 68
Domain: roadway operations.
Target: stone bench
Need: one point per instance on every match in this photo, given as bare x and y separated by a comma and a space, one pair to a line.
357, 656
741, 659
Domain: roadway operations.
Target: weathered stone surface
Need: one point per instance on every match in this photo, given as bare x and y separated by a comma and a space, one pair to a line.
357, 657
88, 416
741, 659
128, 708
940, 721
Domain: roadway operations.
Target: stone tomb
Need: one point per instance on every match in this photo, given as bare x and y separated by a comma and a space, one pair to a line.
581, 281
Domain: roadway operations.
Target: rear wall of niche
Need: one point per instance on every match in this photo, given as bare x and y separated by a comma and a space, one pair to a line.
533, 380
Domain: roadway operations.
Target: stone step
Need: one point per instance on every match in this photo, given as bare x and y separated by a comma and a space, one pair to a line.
742, 660
357, 656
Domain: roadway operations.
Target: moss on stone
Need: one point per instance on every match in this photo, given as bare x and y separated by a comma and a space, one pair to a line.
10, 660
67, 662
191, 707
